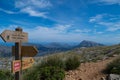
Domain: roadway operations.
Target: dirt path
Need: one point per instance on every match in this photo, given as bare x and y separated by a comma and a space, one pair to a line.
89, 71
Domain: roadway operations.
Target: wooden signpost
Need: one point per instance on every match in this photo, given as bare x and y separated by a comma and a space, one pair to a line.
26, 63
18, 36
16, 65
14, 36
26, 51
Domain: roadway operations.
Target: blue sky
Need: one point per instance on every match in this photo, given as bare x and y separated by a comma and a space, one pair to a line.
63, 20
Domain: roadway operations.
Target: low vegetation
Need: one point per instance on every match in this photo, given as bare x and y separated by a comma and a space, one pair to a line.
72, 63
52, 68
113, 67
51, 73
6, 75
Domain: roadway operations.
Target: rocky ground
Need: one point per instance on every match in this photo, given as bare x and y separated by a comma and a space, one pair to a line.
89, 71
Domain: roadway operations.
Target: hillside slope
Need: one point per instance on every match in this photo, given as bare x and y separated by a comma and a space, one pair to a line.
89, 71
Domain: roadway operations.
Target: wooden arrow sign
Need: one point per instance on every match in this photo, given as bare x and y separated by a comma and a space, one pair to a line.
14, 36
27, 51
16, 65
26, 63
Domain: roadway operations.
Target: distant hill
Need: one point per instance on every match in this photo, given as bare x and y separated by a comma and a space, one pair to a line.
86, 43
97, 53
50, 48
5, 51
40, 47
58, 45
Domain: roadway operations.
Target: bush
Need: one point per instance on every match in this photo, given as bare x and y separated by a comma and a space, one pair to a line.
52, 61
51, 73
46, 73
52, 68
31, 74
113, 67
5, 75
72, 63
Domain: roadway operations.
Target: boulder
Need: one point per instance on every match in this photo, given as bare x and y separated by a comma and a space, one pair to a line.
114, 77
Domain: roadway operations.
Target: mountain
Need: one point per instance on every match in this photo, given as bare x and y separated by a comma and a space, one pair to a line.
50, 48
5, 51
86, 43
40, 47
58, 45
44, 49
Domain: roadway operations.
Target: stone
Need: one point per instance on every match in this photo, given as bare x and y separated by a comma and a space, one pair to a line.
103, 78
114, 77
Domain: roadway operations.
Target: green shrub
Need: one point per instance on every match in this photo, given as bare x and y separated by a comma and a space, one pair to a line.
52, 61
52, 68
113, 67
45, 73
51, 73
31, 74
5, 75
72, 63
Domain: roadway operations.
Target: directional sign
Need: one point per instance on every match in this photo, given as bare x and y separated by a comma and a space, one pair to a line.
26, 63
27, 51
14, 36
16, 65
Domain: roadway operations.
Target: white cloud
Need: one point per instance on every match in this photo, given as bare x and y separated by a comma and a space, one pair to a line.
111, 1
100, 32
33, 3
33, 7
10, 27
108, 2
60, 33
7, 11
33, 12
110, 24
57, 29
56, 33
96, 18
82, 31
114, 27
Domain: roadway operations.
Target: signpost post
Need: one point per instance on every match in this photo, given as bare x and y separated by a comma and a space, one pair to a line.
18, 55
18, 36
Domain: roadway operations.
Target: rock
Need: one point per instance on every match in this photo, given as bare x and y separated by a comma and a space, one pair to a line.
114, 77
103, 78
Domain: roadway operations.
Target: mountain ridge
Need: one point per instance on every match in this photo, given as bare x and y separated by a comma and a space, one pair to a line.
86, 43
